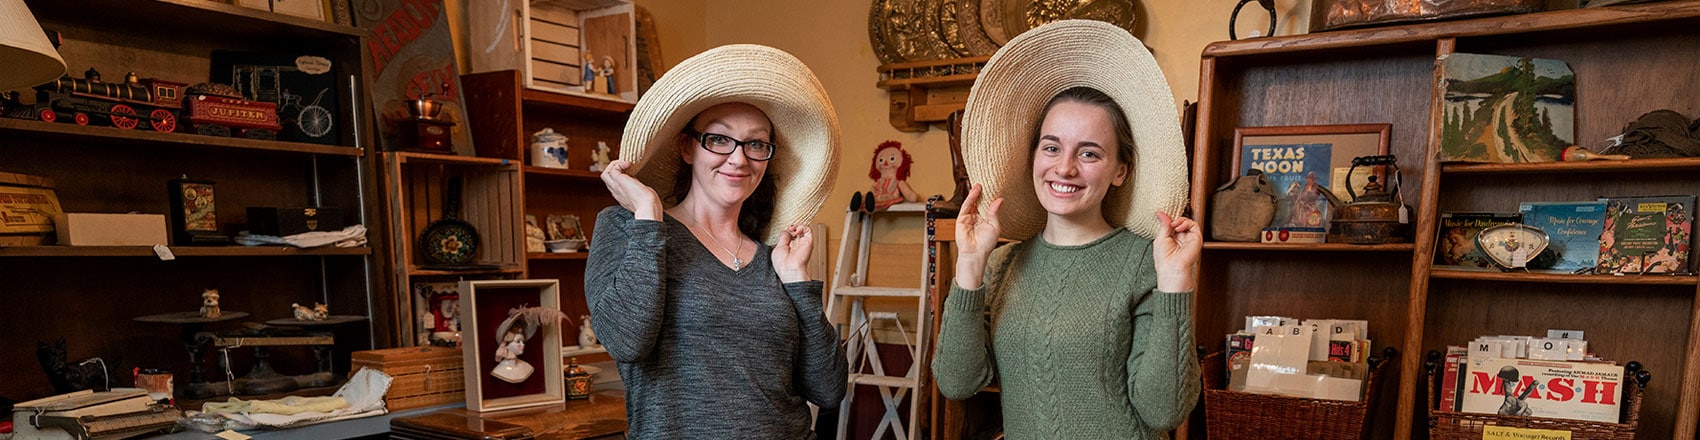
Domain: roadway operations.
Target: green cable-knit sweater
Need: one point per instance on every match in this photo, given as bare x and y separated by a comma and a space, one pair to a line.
1084, 345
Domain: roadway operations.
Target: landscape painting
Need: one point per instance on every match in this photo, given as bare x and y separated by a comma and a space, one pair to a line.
1506, 109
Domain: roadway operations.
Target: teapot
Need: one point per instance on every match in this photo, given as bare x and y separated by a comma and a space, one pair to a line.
1378, 216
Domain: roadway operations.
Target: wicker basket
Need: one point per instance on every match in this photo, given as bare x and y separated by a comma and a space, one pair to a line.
1241, 415
1452, 425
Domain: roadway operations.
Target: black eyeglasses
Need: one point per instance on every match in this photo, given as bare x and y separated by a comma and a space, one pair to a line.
724, 145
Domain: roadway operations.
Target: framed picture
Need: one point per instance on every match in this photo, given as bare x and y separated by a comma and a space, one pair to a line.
493, 352
1301, 161
565, 227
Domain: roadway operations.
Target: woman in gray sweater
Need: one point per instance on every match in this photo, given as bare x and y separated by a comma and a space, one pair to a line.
717, 334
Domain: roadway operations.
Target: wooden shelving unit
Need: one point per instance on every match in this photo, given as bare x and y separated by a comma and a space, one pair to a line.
1689, 164
580, 255
502, 190
541, 172
130, 139
1309, 247
1387, 75
100, 169
181, 251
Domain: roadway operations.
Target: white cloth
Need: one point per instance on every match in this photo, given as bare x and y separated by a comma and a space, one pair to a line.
352, 236
365, 394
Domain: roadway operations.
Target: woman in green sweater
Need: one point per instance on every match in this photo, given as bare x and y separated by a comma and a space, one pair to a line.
1086, 321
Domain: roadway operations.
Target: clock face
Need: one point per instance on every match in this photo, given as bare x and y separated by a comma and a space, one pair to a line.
1512, 245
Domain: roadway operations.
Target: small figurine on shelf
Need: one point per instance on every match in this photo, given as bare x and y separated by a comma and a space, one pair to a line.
600, 156
318, 313
586, 335
588, 80
890, 172
209, 304
549, 149
522, 322
611, 86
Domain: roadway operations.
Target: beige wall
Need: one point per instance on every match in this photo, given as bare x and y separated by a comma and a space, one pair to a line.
831, 37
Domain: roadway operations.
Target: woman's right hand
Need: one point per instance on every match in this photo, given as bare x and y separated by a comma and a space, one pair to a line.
976, 236
632, 194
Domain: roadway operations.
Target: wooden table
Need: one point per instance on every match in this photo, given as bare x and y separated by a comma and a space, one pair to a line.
603, 417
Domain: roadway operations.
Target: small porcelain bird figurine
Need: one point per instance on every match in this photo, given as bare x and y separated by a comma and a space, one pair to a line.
1576, 153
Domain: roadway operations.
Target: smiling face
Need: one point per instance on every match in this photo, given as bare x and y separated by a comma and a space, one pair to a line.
1074, 162
725, 180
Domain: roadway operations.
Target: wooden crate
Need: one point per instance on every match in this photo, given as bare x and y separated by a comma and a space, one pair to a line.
423, 376
547, 41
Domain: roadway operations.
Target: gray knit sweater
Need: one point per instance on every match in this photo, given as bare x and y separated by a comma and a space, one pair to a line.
706, 351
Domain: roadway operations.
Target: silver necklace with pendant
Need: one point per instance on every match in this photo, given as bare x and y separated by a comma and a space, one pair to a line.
737, 263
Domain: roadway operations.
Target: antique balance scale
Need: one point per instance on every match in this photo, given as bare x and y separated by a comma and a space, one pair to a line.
262, 378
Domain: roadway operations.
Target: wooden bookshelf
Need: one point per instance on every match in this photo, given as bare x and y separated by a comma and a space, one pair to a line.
207, 18
1387, 75
1308, 247
1689, 164
1525, 277
542, 172
138, 138
180, 251
580, 255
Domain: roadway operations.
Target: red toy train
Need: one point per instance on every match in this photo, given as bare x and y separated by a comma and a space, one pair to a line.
152, 103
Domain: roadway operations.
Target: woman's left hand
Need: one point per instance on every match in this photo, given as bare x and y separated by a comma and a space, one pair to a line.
1176, 251
791, 256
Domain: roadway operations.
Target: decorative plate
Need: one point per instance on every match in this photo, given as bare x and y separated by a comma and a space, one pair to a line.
1512, 245
449, 245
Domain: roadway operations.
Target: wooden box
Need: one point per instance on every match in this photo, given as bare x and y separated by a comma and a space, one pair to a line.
423, 376
547, 41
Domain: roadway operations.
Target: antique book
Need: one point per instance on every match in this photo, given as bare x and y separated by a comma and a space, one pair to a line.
1557, 389
1455, 241
1647, 235
1573, 231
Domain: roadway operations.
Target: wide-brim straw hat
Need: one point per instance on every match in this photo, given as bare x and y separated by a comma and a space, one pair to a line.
1002, 118
804, 124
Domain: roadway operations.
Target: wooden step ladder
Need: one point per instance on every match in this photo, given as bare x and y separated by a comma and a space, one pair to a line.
849, 288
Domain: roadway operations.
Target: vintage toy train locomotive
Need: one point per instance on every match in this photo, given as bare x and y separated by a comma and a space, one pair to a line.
211, 109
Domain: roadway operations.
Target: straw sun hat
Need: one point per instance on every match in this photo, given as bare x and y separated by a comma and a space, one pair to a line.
804, 124
1003, 115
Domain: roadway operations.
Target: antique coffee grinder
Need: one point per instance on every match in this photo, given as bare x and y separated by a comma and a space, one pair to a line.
1378, 216
424, 130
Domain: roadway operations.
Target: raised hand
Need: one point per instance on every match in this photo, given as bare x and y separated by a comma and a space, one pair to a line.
632, 194
791, 255
1175, 252
976, 236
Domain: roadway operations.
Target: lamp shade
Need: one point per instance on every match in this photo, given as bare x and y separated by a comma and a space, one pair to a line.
28, 57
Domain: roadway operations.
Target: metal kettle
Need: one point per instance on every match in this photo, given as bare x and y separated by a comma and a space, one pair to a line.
1379, 215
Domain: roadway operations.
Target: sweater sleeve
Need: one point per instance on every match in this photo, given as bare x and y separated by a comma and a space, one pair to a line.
624, 283
963, 362
823, 370
1162, 367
